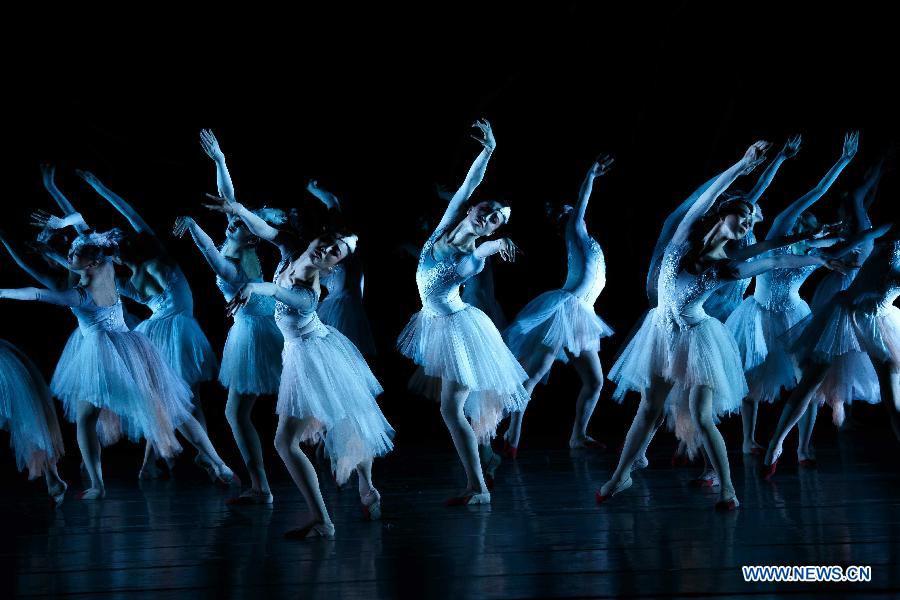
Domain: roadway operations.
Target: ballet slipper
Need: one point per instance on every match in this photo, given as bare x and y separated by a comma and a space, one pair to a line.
371, 505
251, 497
640, 463
58, 497
728, 504
623, 485
490, 468
706, 480
469, 498
313, 530
92, 494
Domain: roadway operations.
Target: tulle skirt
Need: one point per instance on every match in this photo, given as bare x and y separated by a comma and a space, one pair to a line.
644, 357
345, 312
465, 347
27, 412
767, 362
326, 381
555, 321
184, 345
124, 375
251, 360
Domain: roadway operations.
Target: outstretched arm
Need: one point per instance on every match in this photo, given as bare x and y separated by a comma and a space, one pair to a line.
752, 158
38, 270
214, 151
866, 236
222, 267
69, 297
48, 173
119, 203
600, 167
785, 221
301, 299
790, 149
473, 177
325, 197
863, 195
752, 268
287, 244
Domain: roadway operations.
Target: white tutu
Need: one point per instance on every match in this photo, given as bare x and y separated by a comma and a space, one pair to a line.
326, 381
466, 347
123, 374
556, 321
767, 362
184, 345
345, 312
27, 412
879, 333
251, 360
645, 356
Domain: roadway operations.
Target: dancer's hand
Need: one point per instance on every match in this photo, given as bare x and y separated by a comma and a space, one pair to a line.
754, 156
181, 226
240, 299
602, 165
827, 230
89, 177
851, 144
44, 220
835, 264
791, 147
508, 250
211, 145
222, 205
487, 140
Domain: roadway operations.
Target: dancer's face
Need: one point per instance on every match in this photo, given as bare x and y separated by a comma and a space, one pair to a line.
485, 217
326, 251
83, 258
738, 222
238, 233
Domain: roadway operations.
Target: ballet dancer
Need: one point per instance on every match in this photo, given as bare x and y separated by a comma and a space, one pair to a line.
327, 390
861, 319
775, 306
682, 360
562, 325
458, 349
158, 282
113, 381
28, 414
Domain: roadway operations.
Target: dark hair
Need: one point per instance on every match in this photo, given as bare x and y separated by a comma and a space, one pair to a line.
142, 247
727, 206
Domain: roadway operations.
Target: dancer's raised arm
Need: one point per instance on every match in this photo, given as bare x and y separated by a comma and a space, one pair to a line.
752, 158
214, 151
600, 167
473, 177
746, 269
38, 270
790, 150
786, 220
48, 173
222, 267
864, 194
330, 201
119, 203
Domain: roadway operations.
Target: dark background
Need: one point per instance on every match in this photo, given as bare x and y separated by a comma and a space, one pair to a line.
377, 106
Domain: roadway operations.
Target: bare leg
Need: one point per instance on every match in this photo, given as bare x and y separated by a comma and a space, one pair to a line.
287, 442
198, 407
238, 410
749, 410
889, 381
55, 484
453, 397
89, 445
642, 429
794, 408
805, 430
537, 367
149, 469
591, 373
713, 442
196, 435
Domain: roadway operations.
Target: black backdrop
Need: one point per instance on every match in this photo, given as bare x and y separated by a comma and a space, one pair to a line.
377, 106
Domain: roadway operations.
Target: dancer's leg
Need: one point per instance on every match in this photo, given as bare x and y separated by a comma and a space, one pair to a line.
805, 427
89, 445
538, 366
700, 402
794, 407
287, 442
889, 382
591, 373
453, 398
198, 407
749, 410
196, 435
238, 411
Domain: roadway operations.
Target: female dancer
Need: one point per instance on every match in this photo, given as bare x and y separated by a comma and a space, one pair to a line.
27, 412
455, 344
682, 350
327, 390
862, 318
562, 324
343, 306
158, 282
776, 306
114, 380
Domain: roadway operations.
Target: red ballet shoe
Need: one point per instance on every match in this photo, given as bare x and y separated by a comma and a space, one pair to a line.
624, 485
509, 451
704, 482
808, 463
727, 505
489, 482
768, 471
679, 460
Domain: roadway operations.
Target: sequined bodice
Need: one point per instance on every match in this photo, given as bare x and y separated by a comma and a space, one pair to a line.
682, 294
779, 289
93, 318
301, 321
174, 299
439, 280
257, 306
586, 267
730, 294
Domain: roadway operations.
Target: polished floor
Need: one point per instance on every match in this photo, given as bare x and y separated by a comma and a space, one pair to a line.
543, 536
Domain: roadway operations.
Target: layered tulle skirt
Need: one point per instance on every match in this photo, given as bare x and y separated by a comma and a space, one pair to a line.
767, 362
465, 347
27, 412
557, 322
124, 375
325, 381
703, 354
251, 360
183, 345
345, 312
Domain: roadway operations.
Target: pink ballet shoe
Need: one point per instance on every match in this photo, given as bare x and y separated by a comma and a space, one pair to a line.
313, 530
623, 485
